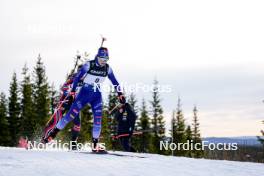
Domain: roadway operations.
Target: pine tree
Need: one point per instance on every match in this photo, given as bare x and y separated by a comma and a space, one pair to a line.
106, 131
40, 95
4, 132
14, 111
189, 137
133, 102
261, 138
53, 98
27, 120
173, 129
179, 135
144, 126
158, 122
135, 140
196, 133
112, 102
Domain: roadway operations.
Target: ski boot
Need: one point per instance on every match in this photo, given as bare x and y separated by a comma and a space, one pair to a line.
96, 148
74, 144
51, 135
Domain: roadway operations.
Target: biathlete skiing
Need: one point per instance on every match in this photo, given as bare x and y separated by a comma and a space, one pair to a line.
92, 74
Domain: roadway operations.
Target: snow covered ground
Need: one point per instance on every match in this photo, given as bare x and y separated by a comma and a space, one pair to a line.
16, 161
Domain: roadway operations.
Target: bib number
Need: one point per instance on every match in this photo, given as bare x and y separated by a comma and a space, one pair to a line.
96, 80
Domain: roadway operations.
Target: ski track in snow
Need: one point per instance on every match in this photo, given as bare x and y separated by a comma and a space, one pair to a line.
16, 161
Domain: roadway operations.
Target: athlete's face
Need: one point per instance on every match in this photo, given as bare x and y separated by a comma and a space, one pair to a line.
102, 61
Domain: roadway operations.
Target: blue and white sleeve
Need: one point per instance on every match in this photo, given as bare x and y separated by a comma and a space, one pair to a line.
80, 74
115, 83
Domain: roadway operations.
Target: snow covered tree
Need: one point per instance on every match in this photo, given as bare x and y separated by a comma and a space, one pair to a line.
196, 133
144, 126
40, 95
14, 111
4, 132
27, 120
158, 123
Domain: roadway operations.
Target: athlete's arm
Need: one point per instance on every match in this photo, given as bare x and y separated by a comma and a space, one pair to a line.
112, 78
79, 75
115, 83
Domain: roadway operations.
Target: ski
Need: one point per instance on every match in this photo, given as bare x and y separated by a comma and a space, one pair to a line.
126, 155
110, 153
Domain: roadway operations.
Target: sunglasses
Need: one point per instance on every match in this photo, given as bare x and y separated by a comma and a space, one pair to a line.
103, 58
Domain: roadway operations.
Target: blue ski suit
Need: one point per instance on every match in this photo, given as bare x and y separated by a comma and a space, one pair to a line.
92, 75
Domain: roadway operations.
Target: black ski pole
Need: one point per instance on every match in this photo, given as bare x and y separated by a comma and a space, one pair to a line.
78, 57
103, 40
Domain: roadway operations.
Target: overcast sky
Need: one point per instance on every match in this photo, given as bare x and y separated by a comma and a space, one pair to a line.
209, 52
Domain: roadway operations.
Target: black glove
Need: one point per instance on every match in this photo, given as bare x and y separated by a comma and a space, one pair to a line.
121, 98
71, 97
